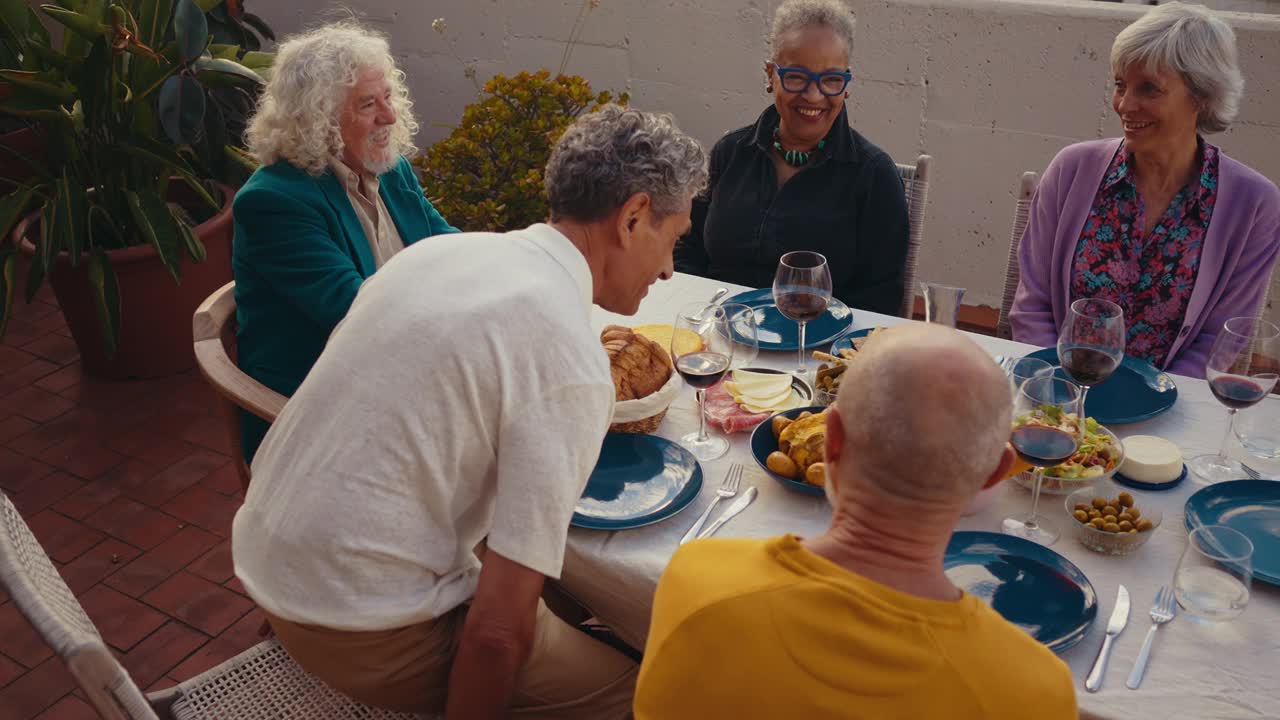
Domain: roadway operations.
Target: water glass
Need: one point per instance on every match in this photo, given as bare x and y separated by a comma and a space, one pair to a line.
1258, 429
941, 303
1213, 577
744, 327
1023, 369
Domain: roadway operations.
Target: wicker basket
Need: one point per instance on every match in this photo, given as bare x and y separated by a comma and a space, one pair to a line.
645, 414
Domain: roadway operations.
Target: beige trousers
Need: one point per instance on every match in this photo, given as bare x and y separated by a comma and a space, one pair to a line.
568, 674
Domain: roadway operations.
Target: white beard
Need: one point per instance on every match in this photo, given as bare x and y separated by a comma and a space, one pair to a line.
374, 160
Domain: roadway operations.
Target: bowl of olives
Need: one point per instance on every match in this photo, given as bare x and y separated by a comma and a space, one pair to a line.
1110, 522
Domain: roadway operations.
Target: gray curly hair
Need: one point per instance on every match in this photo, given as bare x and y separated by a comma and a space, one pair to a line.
799, 14
1193, 41
609, 155
299, 110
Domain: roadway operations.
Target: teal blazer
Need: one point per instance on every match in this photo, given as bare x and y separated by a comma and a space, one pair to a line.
299, 256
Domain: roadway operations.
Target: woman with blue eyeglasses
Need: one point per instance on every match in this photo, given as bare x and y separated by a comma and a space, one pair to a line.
800, 178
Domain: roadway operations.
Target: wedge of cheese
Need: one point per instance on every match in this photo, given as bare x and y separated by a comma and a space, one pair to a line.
1151, 459
759, 392
688, 340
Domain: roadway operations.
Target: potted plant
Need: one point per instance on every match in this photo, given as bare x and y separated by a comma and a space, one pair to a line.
488, 173
21, 144
130, 190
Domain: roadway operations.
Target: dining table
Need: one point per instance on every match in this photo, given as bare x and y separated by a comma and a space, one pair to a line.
1219, 670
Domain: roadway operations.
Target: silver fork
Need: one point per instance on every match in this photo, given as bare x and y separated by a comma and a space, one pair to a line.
1251, 472
1162, 611
728, 488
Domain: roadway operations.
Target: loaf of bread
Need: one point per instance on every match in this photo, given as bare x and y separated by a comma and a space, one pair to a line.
639, 365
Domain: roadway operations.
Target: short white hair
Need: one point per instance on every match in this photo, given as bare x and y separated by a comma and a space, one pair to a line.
795, 15
298, 114
1199, 45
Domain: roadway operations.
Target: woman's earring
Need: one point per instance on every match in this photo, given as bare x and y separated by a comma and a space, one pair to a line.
768, 88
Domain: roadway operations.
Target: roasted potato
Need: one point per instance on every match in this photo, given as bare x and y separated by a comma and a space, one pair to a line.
816, 474
780, 423
782, 464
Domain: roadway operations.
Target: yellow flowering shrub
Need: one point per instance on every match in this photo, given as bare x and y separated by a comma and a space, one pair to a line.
487, 175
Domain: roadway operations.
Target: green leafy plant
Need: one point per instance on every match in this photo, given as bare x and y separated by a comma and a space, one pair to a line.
124, 103
488, 173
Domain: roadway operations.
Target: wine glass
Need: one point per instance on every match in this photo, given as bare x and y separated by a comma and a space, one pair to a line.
702, 366
1243, 367
1091, 344
801, 291
745, 332
1214, 574
1043, 436
1023, 369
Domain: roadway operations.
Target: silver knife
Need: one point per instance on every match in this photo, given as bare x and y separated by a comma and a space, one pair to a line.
738, 506
1119, 618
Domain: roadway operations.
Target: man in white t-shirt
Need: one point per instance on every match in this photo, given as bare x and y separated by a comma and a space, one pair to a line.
465, 398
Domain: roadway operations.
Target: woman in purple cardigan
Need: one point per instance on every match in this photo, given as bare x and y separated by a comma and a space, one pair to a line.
1161, 222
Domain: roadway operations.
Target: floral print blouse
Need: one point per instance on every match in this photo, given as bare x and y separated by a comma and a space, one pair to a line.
1150, 277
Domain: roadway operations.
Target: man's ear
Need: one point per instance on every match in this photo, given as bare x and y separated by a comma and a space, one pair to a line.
1002, 470
833, 449
633, 212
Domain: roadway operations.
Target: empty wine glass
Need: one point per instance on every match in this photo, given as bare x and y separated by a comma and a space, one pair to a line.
1091, 344
1258, 429
1043, 436
1023, 369
801, 291
702, 365
745, 332
1243, 366
1214, 574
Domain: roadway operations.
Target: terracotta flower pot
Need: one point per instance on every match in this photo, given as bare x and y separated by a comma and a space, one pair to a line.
155, 312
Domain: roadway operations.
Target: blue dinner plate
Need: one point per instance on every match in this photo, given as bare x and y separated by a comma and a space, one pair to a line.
763, 442
1250, 506
638, 480
775, 332
1125, 397
846, 342
1030, 585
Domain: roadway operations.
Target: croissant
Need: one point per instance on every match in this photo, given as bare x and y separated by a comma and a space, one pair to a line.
639, 365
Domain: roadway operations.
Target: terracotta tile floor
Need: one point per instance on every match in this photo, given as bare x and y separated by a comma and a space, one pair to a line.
130, 489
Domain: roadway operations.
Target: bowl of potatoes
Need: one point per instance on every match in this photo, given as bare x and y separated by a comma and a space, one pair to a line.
790, 447
1110, 522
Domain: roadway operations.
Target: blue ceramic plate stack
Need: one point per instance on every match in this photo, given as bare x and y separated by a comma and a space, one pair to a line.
1130, 395
638, 480
776, 332
1251, 507
1030, 585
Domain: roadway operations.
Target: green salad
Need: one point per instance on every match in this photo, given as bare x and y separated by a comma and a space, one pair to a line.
1097, 454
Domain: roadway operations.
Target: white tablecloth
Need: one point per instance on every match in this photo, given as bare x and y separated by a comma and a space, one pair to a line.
1229, 670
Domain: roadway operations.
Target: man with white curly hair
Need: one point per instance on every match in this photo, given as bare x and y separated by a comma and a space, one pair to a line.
334, 199
481, 419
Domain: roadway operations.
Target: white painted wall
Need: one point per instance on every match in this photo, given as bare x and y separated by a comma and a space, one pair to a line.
989, 88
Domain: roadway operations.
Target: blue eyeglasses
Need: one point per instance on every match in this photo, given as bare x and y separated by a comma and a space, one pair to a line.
798, 80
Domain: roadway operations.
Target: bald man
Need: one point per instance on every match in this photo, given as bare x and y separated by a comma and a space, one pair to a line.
861, 621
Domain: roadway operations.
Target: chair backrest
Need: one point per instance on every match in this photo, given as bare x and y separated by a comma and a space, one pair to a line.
213, 328
915, 182
42, 596
1021, 210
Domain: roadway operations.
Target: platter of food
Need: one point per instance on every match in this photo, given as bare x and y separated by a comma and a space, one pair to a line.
749, 396
790, 447
1098, 457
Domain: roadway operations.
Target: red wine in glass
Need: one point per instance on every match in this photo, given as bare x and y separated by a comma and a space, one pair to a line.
1237, 392
1088, 366
1043, 446
702, 369
801, 306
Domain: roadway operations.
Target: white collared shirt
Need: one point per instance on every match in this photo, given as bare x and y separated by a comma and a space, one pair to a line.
464, 395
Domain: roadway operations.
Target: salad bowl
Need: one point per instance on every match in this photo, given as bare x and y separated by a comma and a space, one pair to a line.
1096, 460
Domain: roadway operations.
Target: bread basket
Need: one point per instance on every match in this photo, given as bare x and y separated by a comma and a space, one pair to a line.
644, 415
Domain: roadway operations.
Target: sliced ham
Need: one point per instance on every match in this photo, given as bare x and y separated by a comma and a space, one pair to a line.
726, 414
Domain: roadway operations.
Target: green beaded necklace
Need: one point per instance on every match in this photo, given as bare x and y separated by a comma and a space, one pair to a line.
795, 158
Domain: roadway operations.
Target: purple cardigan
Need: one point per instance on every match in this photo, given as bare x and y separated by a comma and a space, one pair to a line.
1235, 265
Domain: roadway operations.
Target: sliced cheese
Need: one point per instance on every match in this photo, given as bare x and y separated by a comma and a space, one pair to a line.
1151, 459
791, 401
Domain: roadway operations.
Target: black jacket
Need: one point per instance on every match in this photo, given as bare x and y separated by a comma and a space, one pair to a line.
848, 205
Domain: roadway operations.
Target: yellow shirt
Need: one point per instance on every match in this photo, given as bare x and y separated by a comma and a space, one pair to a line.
767, 629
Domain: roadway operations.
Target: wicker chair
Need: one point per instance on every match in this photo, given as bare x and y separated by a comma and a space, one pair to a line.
214, 329
915, 181
1021, 210
262, 683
